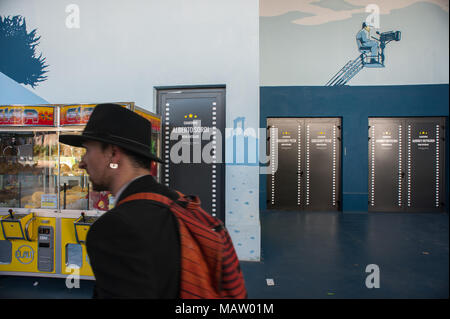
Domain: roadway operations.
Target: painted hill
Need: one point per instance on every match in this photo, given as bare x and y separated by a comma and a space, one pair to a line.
12, 92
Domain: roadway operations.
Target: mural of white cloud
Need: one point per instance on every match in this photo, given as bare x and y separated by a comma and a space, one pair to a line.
324, 11
294, 54
337, 5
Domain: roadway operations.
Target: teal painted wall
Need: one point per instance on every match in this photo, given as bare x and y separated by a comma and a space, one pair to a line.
355, 105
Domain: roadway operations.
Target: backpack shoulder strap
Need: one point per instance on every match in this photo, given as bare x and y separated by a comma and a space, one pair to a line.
148, 196
184, 207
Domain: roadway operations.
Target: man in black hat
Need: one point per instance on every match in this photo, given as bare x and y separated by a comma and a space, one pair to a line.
134, 249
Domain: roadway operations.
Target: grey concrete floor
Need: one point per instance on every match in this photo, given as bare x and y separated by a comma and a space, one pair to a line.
323, 256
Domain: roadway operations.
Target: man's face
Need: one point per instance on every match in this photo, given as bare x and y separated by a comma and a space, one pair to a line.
96, 163
367, 28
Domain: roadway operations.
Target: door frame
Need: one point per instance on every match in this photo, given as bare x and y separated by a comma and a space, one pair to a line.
161, 91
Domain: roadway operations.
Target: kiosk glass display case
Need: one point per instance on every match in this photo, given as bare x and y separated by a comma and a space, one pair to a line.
28, 169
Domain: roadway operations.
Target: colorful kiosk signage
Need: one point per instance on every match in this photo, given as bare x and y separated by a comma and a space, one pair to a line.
12, 115
75, 114
78, 114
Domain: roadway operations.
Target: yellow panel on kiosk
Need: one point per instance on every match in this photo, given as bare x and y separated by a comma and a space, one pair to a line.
17, 226
81, 232
25, 250
73, 248
12, 229
82, 226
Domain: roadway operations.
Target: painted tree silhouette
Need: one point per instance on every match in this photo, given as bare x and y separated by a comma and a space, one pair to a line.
18, 58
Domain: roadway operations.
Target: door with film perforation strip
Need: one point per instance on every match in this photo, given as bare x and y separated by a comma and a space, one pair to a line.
193, 147
406, 164
305, 164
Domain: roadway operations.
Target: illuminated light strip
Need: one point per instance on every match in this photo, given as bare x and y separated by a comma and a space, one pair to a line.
409, 167
166, 146
273, 139
307, 164
400, 166
372, 171
437, 166
334, 167
214, 161
299, 165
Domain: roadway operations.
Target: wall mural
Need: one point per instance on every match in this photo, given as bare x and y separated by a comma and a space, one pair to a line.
308, 42
19, 59
372, 54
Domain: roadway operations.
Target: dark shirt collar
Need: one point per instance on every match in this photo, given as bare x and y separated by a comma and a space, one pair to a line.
146, 184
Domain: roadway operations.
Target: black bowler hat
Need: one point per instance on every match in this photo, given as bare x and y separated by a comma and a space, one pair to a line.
116, 125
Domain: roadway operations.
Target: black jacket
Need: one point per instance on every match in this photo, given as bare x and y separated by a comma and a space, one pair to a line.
134, 249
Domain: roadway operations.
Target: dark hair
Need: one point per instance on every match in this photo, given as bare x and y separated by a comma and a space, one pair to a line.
139, 160
364, 25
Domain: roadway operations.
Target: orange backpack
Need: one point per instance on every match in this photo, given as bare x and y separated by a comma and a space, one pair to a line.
209, 265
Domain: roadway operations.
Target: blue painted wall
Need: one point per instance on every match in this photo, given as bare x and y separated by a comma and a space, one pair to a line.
12, 92
354, 104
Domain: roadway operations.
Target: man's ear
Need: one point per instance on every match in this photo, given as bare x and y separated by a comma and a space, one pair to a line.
116, 153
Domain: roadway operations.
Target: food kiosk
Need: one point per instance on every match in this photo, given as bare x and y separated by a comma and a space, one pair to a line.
46, 201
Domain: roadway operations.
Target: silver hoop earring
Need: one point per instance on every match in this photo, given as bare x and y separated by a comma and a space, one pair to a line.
113, 165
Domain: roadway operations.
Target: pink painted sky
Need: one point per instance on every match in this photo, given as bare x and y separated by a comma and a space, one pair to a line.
322, 15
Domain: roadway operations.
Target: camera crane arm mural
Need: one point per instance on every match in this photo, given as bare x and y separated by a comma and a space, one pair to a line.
372, 55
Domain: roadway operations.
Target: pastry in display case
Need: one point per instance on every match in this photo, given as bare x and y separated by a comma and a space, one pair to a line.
27, 162
74, 182
75, 189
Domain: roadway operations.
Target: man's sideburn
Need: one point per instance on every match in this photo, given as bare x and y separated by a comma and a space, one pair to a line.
101, 183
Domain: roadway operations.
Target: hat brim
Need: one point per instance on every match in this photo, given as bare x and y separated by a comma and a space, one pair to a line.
78, 140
